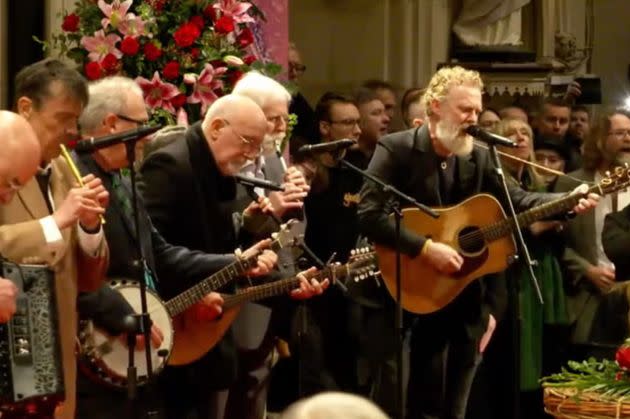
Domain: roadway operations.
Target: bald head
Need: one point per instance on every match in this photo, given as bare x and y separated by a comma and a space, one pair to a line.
20, 154
234, 127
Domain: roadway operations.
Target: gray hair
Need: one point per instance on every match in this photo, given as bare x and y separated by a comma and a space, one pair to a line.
261, 89
334, 405
108, 95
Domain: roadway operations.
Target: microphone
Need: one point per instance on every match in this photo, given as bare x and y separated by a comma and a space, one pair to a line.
257, 183
326, 147
488, 137
92, 144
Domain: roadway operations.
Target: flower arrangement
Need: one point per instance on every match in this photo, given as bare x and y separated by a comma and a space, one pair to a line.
607, 377
182, 53
591, 388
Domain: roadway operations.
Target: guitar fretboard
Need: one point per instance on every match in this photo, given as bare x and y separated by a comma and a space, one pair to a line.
504, 227
193, 295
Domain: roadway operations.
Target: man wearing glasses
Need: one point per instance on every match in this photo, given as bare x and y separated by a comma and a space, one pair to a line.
19, 160
591, 273
189, 193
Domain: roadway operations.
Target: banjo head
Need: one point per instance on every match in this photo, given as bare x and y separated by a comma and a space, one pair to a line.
107, 357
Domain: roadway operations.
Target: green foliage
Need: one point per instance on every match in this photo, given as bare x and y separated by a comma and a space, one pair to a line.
604, 377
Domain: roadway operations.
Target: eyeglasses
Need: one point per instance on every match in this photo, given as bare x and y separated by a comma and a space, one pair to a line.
347, 122
135, 121
250, 146
12, 184
297, 67
620, 133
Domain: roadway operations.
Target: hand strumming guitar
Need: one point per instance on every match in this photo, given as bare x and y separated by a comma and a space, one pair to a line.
442, 257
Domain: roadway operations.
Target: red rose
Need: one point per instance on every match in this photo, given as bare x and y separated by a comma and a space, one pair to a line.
249, 59
209, 12
186, 35
129, 46
623, 357
152, 52
171, 70
93, 70
70, 23
179, 100
245, 38
234, 76
224, 25
110, 63
198, 21
158, 5
194, 53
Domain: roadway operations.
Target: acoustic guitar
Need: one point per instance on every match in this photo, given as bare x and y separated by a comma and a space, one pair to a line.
361, 265
482, 234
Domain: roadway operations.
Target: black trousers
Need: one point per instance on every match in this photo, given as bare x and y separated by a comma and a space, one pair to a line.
440, 377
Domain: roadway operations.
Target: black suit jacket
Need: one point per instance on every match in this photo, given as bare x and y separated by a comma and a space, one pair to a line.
616, 241
191, 203
175, 268
407, 161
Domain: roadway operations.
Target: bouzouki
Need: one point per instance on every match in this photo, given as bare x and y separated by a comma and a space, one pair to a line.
482, 234
105, 357
361, 265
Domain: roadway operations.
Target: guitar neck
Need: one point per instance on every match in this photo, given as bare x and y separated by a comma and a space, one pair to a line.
280, 287
526, 218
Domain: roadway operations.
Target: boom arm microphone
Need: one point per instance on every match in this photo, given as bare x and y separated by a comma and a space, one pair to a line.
257, 183
326, 147
90, 145
488, 137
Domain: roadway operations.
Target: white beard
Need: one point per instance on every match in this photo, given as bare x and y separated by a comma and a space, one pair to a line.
271, 143
450, 136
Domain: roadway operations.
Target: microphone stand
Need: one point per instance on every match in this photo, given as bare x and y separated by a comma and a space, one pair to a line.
398, 318
513, 286
143, 320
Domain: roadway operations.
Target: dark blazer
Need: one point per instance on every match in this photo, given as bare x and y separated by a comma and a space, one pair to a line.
190, 204
616, 241
407, 161
179, 267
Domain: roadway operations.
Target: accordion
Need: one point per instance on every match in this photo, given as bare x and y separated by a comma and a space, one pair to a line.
31, 374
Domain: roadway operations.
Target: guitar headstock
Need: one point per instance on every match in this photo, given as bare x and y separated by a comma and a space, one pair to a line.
289, 235
617, 179
362, 264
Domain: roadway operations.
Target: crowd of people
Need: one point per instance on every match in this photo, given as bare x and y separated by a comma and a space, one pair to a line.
481, 356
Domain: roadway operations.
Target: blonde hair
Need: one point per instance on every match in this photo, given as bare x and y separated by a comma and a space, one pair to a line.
504, 128
443, 80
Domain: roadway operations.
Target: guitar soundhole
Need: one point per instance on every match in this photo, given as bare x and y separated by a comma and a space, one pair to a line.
471, 240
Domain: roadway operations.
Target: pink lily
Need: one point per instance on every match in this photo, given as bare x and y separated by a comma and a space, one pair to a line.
114, 12
204, 86
100, 45
158, 94
236, 9
133, 26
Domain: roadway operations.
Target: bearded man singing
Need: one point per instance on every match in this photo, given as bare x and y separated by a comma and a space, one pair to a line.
437, 165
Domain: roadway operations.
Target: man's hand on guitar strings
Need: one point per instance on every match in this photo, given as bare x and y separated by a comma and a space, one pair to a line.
309, 288
267, 259
156, 338
443, 257
585, 204
207, 309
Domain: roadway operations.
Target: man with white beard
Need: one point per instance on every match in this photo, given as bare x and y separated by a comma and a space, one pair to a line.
437, 165
257, 326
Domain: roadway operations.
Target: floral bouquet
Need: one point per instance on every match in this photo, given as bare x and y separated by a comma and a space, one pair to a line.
591, 389
182, 53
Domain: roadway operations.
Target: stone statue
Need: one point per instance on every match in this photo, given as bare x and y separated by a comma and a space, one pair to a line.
490, 23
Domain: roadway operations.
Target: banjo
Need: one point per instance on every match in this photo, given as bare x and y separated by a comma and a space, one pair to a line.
105, 358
